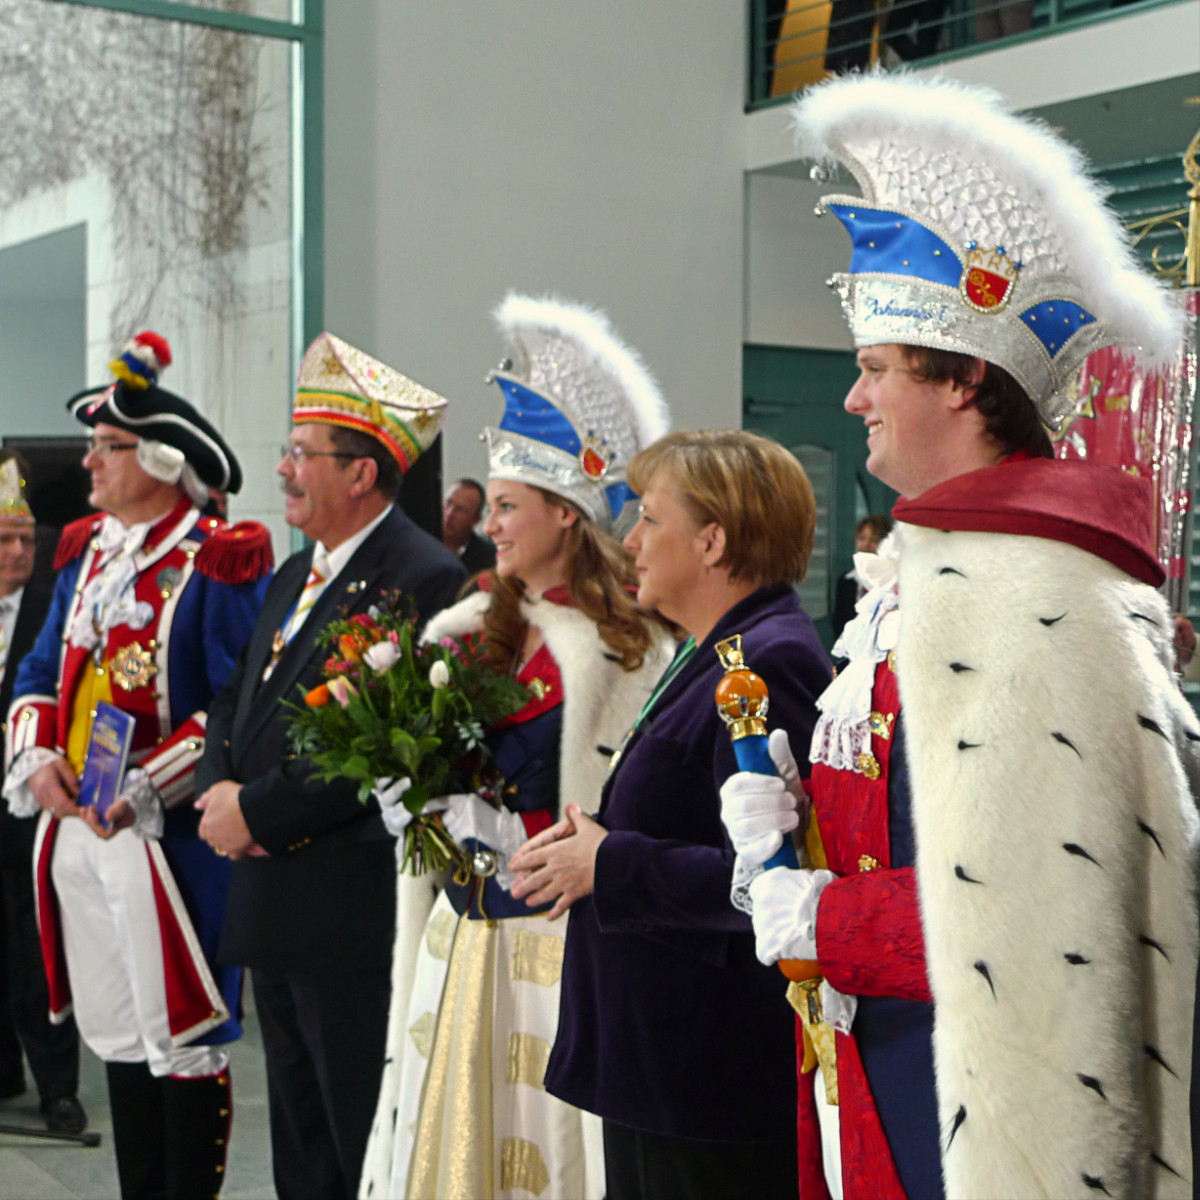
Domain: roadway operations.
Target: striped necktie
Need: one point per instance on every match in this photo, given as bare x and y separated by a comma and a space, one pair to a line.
318, 577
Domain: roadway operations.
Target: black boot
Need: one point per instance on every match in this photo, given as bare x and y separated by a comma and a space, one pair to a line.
199, 1114
137, 1101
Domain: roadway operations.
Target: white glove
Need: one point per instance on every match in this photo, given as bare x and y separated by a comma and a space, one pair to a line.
500, 829
142, 797
397, 818
757, 810
470, 816
785, 913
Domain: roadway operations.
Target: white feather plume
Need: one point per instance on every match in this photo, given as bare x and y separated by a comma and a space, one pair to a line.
1044, 172
591, 329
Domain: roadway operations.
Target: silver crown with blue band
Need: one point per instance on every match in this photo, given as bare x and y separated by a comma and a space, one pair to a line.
578, 405
978, 232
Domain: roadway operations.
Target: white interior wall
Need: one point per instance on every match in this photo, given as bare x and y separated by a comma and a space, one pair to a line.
594, 150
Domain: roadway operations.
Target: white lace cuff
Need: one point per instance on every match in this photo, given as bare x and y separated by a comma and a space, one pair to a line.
16, 791
142, 796
744, 874
837, 1008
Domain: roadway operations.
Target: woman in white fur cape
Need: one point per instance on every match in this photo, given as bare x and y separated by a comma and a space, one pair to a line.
463, 1112
466, 1053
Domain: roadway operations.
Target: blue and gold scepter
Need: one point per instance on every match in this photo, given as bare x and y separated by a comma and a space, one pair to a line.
742, 700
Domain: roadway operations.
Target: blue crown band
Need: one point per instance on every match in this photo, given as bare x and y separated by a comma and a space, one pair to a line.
1055, 322
533, 416
890, 243
618, 495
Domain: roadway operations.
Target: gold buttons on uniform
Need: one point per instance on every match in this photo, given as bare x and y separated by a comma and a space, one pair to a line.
881, 725
868, 764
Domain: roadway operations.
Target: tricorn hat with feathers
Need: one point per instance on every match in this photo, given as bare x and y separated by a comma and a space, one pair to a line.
579, 404
980, 232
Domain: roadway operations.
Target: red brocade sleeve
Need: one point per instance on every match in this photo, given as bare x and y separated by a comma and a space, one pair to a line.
869, 937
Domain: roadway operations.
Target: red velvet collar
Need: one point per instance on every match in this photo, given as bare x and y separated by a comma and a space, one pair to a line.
1098, 508
165, 524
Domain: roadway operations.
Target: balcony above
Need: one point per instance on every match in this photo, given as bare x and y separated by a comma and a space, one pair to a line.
1115, 81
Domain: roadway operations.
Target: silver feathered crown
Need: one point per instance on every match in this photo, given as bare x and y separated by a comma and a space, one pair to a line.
978, 232
579, 404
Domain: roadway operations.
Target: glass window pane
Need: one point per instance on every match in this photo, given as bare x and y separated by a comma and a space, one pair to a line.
273, 10
150, 198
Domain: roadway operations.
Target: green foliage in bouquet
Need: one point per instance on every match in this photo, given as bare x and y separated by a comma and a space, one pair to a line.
390, 708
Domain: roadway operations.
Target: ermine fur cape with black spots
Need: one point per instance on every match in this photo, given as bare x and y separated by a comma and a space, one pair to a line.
1054, 770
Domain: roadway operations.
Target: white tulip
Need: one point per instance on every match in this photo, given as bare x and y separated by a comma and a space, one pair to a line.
439, 674
382, 656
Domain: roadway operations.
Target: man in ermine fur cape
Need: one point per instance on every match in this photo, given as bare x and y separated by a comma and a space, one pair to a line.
1002, 906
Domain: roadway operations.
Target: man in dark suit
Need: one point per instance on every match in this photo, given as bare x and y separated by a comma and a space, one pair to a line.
460, 515
312, 902
26, 584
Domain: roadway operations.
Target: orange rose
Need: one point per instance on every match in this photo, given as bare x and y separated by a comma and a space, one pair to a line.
318, 697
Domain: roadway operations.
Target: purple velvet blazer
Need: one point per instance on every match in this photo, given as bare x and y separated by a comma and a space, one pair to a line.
668, 1023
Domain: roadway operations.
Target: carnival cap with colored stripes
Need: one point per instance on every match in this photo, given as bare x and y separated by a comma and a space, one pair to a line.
978, 232
579, 404
13, 504
340, 385
175, 442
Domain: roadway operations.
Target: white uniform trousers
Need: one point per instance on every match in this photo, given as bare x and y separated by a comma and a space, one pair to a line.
113, 949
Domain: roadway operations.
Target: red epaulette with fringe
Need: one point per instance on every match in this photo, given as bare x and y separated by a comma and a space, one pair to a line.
74, 539
238, 553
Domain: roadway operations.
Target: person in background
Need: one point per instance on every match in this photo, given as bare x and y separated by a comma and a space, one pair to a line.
1004, 775
26, 585
556, 611
313, 894
669, 1028
152, 605
460, 514
868, 534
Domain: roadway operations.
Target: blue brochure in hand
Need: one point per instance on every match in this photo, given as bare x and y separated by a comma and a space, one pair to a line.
107, 754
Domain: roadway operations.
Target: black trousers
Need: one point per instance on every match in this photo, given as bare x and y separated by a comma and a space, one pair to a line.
324, 1037
52, 1050
651, 1166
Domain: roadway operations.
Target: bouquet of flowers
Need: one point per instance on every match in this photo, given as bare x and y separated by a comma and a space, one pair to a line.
391, 708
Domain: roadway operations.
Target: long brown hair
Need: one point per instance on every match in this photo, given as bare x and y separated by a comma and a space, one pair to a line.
600, 579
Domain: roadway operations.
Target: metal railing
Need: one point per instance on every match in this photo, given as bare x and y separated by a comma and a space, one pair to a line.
795, 43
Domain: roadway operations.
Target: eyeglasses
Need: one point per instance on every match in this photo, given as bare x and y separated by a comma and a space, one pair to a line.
105, 449
298, 454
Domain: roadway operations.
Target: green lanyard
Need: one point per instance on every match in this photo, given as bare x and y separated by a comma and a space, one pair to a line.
680, 660
677, 664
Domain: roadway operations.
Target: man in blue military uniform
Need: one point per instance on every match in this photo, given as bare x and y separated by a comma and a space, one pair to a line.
151, 607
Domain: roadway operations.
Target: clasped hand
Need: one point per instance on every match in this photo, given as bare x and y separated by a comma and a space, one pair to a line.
559, 864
